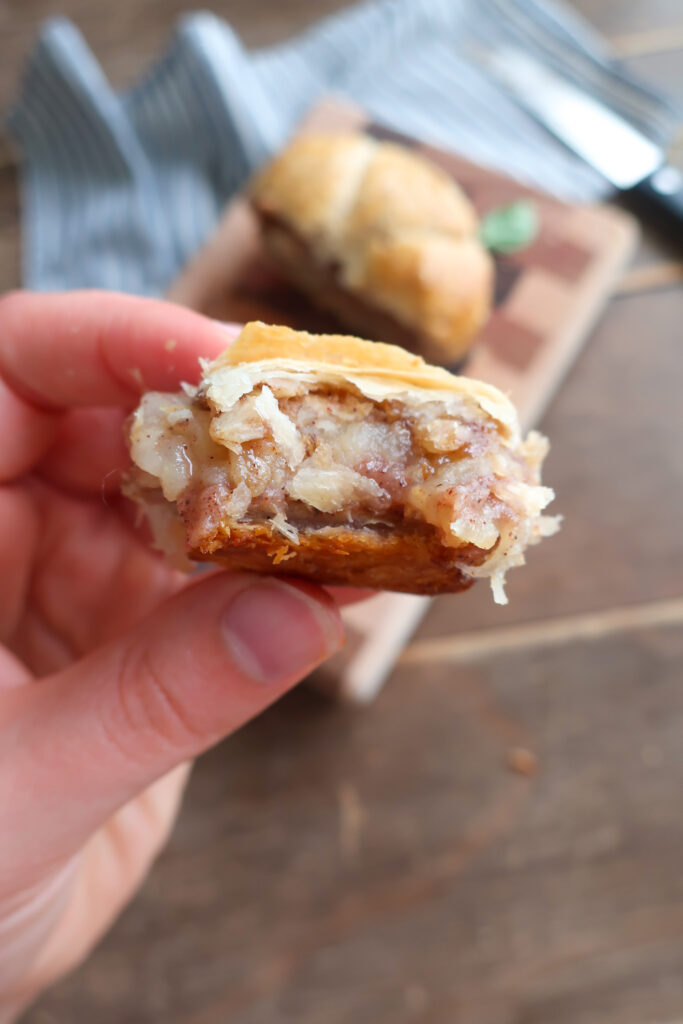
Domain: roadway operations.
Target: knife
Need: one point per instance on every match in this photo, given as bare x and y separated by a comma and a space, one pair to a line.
628, 159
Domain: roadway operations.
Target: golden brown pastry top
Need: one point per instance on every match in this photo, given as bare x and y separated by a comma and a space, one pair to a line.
397, 227
338, 188
377, 370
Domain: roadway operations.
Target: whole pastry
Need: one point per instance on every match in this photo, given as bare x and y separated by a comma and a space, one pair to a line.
342, 461
379, 236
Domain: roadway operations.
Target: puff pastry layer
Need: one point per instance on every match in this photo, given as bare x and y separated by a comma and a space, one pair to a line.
343, 461
381, 237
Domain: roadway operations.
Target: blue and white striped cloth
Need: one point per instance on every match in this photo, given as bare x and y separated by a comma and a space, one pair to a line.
120, 189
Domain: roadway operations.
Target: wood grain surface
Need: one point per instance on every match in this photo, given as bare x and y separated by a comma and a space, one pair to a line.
395, 864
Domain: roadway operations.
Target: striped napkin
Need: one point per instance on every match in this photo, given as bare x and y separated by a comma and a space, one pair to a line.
120, 189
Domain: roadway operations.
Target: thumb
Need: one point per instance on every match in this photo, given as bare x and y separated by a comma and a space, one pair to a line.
82, 743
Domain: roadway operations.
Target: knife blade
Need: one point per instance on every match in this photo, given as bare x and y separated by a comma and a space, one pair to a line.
633, 163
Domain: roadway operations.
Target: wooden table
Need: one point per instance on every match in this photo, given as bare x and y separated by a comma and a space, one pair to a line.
387, 865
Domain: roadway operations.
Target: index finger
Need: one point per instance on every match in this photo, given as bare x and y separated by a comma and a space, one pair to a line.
97, 348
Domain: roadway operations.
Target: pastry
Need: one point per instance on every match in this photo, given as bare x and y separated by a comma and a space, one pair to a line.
379, 236
341, 461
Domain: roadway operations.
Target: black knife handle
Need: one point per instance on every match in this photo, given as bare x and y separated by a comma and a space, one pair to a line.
661, 196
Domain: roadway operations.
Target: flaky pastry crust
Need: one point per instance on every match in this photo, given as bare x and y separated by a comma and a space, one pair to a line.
348, 217
342, 461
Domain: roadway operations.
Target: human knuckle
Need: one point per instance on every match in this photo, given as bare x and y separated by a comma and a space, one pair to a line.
151, 709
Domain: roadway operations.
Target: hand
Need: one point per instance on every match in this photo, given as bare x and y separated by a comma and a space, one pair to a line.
115, 670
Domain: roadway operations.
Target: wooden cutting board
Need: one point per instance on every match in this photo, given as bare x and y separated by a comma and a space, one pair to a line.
547, 298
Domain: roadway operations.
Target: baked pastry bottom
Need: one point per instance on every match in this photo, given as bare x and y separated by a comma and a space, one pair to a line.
411, 561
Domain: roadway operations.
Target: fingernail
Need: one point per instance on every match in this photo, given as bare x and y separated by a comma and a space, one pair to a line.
275, 631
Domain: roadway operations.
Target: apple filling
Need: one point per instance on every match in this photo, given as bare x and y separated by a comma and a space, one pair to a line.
301, 456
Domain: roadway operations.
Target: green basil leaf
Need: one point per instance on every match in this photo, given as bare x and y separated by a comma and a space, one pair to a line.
510, 228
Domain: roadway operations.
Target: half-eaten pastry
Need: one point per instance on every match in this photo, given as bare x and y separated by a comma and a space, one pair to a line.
379, 236
341, 461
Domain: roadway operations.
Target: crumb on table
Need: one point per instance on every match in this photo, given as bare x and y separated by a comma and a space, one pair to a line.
522, 761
